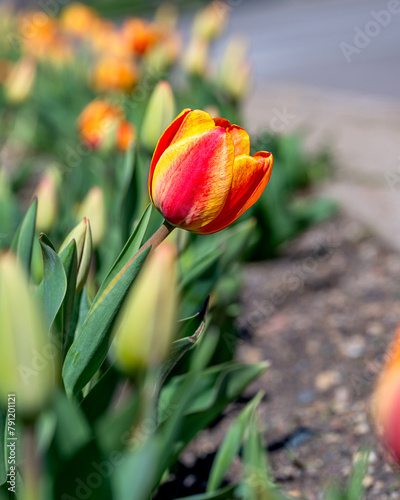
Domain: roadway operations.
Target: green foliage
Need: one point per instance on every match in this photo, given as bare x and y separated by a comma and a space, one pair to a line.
104, 435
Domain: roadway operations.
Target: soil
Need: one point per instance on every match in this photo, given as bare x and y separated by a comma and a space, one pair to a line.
322, 314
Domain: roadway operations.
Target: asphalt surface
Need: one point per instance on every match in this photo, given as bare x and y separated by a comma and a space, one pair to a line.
319, 43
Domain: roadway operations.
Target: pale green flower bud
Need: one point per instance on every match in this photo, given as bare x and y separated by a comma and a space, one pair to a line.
93, 208
159, 113
83, 239
146, 325
28, 358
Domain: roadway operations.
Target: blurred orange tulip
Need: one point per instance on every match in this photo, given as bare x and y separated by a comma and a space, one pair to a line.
97, 121
140, 35
102, 124
42, 38
202, 177
386, 400
114, 74
78, 19
125, 135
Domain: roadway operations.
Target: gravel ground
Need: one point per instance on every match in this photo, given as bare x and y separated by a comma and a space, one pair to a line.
323, 315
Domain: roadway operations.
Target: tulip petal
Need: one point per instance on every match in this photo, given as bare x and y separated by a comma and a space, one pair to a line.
250, 176
193, 176
240, 137
164, 141
222, 122
241, 140
188, 124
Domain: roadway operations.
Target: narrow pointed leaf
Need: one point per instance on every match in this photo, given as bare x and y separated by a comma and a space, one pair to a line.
90, 347
130, 248
23, 240
227, 493
211, 391
54, 283
231, 445
64, 317
194, 324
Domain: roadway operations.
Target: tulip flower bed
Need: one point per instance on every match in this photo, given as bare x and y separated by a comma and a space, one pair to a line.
117, 347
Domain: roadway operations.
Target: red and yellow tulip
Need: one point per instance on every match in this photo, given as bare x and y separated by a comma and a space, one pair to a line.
202, 177
386, 400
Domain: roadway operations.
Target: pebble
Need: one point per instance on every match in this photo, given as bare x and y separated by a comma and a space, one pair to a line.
375, 329
368, 481
327, 379
354, 347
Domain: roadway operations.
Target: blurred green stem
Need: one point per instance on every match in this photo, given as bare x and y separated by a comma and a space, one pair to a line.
31, 468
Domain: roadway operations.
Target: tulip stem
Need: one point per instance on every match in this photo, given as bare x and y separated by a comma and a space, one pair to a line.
31, 466
158, 237
155, 240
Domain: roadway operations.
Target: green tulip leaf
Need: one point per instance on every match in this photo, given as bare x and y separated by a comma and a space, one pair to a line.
231, 445
90, 347
22, 243
194, 324
114, 429
228, 493
72, 430
54, 283
210, 392
64, 319
99, 397
256, 483
85, 474
131, 247
134, 476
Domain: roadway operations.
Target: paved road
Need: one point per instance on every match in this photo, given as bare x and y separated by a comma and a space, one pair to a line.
299, 42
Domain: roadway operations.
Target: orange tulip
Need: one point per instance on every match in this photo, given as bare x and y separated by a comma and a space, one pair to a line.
103, 125
98, 121
202, 177
125, 135
41, 37
78, 19
140, 35
115, 74
386, 400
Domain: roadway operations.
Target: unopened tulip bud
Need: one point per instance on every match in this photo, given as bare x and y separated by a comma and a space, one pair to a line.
83, 239
28, 359
20, 80
195, 57
386, 400
159, 113
93, 208
211, 21
235, 70
163, 55
145, 327
46, 193
166, 16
